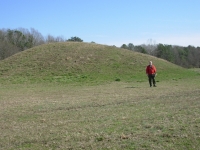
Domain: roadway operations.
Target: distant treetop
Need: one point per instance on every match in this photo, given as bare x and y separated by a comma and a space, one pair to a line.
75, 39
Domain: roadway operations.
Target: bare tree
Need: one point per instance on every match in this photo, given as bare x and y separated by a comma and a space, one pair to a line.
150, 46
38, 38
59, 39
50, 39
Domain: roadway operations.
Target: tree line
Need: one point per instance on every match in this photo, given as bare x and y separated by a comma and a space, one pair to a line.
187, 57
17, 40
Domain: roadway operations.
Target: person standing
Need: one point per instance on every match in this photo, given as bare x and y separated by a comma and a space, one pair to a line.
151, 73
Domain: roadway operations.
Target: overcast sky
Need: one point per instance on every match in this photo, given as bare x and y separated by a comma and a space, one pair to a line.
110, 22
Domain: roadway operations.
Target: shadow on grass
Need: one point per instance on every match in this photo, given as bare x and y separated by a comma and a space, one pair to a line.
132, 87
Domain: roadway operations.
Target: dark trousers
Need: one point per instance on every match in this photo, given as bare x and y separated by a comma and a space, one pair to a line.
152, 78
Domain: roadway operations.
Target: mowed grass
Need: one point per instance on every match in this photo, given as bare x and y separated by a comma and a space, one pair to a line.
117, 115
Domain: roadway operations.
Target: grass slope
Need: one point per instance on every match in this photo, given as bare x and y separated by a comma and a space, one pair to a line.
82, 62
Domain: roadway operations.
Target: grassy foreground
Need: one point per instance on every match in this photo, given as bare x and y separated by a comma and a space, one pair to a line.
119, 115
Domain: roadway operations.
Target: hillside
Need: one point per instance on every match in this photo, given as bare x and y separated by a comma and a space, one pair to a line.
82, 62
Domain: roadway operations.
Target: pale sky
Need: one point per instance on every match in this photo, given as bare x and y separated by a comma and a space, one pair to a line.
109, 22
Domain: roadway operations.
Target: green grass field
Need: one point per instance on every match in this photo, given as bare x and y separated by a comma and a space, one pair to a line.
109, 116
55, 109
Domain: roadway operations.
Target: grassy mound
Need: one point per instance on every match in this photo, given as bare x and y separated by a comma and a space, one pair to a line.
74, 62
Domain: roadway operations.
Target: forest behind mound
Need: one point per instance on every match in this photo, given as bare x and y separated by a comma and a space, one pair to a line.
13, 41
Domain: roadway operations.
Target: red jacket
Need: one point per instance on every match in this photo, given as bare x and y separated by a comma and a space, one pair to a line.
150, 69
